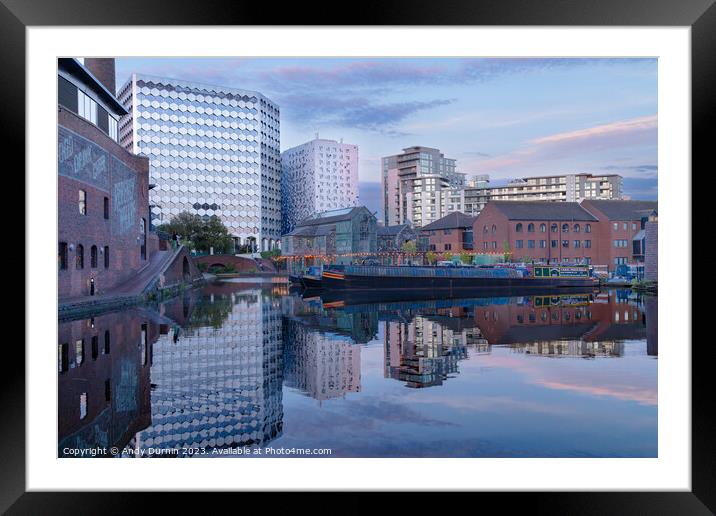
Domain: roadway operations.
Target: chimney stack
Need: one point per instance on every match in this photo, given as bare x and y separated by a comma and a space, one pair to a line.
103, 69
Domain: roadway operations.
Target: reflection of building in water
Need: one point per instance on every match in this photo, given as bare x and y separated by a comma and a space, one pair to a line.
651, 316
572, 348
323, 365
219, 384
425, 350
565, 325
360, 325
103, 380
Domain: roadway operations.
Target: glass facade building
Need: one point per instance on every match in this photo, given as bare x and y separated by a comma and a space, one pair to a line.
213, 151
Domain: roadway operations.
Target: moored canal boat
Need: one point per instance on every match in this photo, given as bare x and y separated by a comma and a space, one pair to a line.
361, 277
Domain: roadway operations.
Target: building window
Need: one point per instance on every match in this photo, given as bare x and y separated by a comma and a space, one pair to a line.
543, 228
542, 244
518, 227
484, 230
112, 127
588, 244
577, 228
484, 246
106, 257
494, 229
79, 352
530, 244
95, 347
106, 342
448, 247
587, 228
106, 207
143, 345
577, 244
80, 256
93, 256
530, 228
565, 243
616, 226
494, 245
565, 228
63, 357
447, 231
83, 405
83, 202
518, 244
554, 228
554, 244
86, 107
62, 255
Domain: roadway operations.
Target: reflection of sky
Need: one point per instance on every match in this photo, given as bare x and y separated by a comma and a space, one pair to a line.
500, 404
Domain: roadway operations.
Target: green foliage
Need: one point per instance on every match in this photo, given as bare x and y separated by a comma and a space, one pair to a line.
506, 250
465, 257
200, 234
447, 256
271, 254
431, 257
409, 247
202, 266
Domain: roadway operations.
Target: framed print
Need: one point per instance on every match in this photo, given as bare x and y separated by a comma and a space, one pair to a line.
401, 252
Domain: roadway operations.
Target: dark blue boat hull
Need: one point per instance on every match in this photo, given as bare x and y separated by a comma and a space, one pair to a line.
358, 283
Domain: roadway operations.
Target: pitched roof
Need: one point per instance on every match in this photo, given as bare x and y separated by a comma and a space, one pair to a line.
453, 220
542, 210
391, 230
623, 210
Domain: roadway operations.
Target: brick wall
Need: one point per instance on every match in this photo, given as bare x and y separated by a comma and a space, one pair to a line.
93, 162
651, 257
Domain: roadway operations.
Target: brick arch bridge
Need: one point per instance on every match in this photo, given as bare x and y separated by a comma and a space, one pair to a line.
239, 263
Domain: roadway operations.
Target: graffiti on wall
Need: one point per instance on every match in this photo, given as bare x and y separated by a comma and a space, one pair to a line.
83, 160
124, 198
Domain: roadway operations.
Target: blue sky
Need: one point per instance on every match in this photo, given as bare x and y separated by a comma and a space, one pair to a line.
508, 118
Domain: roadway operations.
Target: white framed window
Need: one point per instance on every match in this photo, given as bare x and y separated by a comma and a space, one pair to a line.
86, 107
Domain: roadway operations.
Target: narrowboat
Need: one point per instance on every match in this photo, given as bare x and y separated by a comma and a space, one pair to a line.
362, 277
310, 280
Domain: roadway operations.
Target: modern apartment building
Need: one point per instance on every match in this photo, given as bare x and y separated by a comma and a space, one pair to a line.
569, 187
414, 186
317, 176
213, 151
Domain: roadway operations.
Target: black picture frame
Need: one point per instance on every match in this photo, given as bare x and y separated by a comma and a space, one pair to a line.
700, 15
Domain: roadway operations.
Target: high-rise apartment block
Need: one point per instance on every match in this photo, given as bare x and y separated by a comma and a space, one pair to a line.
213, 151
318, 176
568, 187
413, 185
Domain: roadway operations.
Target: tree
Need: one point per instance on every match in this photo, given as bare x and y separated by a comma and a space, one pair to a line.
506, 250
186, 225
465, 257
447, 256
409, 246
430, 257
214, 234
200, 234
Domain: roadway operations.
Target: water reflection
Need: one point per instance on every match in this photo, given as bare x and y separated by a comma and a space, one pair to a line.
235, 366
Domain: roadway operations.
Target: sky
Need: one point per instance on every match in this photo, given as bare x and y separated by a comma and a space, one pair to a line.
506, 117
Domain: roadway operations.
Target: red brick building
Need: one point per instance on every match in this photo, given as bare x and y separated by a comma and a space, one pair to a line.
452, 233
598, 232
551, 232
103, 206
621, 230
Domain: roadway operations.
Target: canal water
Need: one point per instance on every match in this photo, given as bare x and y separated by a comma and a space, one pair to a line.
248, 370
